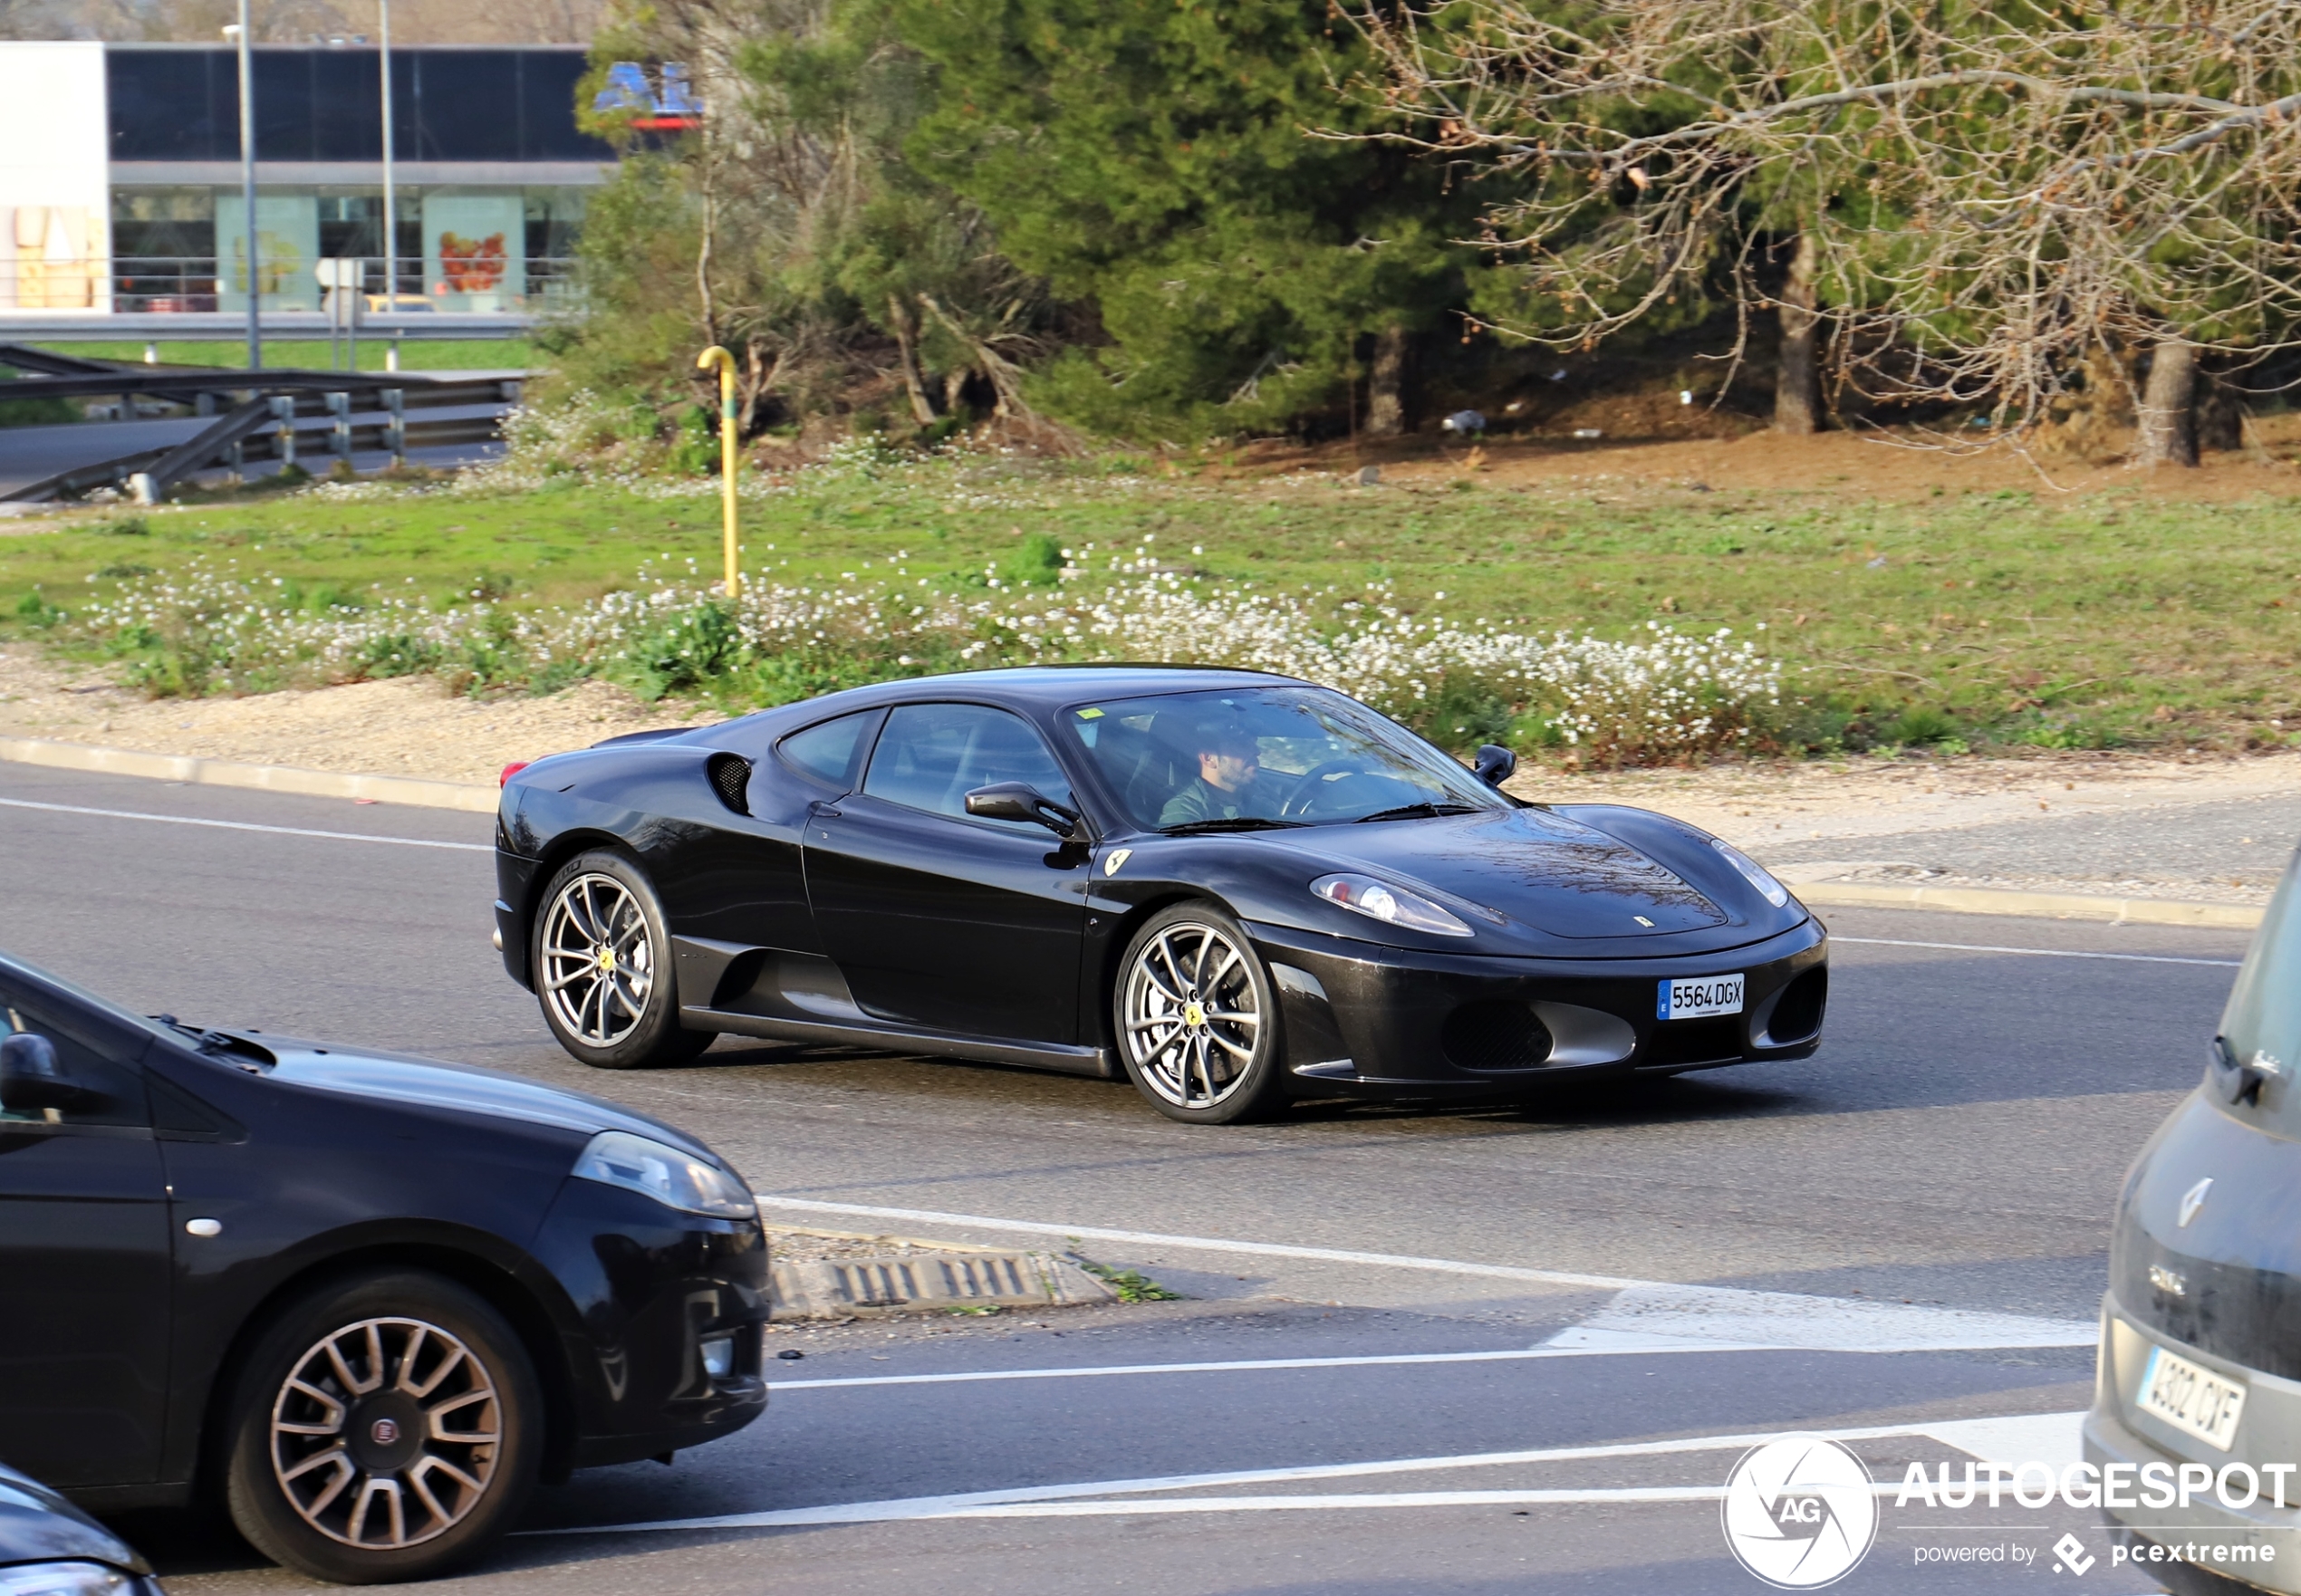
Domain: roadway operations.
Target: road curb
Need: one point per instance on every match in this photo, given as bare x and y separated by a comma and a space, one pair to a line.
931, 1283
271, 778
2069, 906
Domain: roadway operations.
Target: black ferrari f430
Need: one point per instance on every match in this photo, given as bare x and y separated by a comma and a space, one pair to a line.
1234, 889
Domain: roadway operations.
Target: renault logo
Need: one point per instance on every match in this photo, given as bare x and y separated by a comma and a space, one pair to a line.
2191, 1201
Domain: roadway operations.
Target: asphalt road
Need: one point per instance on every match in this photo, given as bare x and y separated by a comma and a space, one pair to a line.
1939, 1176
2196, 847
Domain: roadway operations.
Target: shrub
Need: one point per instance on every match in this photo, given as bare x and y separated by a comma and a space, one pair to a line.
1659, 696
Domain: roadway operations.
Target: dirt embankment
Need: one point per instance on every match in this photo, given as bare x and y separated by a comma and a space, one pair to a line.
408, 726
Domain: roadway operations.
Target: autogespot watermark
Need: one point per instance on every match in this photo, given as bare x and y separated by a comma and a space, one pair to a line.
2086, 1484
1801, 1511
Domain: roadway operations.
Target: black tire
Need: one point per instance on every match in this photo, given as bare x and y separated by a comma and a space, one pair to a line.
626, 1018
1196, 1019
455, 1443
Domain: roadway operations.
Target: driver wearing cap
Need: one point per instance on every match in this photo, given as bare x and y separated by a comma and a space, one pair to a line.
1223, 788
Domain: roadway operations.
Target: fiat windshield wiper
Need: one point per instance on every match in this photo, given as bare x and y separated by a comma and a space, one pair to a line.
1231, 822
1417, 811
215, 1043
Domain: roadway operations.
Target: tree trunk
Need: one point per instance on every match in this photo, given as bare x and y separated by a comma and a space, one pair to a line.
1797, 382
906, 328
2168, 405
1386, 385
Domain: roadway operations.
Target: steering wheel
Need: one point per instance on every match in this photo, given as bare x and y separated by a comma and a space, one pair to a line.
1309, 787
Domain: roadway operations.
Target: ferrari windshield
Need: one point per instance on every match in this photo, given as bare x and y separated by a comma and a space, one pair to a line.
1266, 759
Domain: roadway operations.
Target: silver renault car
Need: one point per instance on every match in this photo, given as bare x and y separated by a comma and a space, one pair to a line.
2196, 1427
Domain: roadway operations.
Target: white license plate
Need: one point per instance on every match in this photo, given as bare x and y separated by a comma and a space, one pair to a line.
1698, 998
2195, 1400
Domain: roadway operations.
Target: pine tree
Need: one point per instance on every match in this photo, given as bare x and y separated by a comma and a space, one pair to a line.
1168, 162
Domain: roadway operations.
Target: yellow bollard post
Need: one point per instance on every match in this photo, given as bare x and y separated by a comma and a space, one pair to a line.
716, 357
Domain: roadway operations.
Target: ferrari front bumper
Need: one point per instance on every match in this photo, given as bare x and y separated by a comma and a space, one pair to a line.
1360, 1019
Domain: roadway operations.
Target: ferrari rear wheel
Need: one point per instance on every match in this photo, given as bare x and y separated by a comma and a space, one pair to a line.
1197, 1018
604, 970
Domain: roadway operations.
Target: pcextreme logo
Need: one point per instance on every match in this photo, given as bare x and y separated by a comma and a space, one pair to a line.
1800, 1512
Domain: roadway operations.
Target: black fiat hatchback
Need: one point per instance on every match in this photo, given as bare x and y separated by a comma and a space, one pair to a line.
366, 1301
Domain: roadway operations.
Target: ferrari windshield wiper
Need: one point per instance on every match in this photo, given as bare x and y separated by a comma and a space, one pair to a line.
1417, 811
1232, 822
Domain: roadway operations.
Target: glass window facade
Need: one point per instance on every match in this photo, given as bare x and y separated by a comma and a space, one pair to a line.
472, 236
182, 102
460, 249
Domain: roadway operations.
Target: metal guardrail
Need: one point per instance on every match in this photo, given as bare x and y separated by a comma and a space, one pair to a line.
187, 283
276, 410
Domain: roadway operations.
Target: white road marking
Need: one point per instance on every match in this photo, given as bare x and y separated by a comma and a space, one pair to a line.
2051, 1438
243, 825
1210, 1244
1617, 1331
1247, 1366
966, 1504
1604, 1493
2138, 958
1649, 1318
1717, 1317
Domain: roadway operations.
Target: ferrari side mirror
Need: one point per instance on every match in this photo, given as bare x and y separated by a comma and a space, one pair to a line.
1493, 765
1021, 801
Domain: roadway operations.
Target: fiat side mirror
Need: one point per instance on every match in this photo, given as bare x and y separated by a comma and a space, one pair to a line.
33, 1078
1021, 801
1493, 765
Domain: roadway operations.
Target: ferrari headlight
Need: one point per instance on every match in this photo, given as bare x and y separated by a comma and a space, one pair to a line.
1755, 873
1393, 905
63, 1579
675, 1180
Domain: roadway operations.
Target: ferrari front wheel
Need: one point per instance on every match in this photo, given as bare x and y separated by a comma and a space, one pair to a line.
603, 969
1197, 1018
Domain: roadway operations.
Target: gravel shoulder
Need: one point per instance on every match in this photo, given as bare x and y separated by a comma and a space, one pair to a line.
2208, 828
408, 726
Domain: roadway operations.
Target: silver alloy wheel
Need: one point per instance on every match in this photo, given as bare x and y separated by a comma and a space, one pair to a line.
1191, 1015
386, 1434
599, 962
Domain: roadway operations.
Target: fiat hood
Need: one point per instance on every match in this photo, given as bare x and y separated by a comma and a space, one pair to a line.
433, 1084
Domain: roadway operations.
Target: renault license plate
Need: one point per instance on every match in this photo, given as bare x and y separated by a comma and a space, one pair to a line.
1700, 997
2194, 1400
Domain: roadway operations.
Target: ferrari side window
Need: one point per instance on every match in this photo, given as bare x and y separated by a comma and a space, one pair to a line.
827, 751
932, 755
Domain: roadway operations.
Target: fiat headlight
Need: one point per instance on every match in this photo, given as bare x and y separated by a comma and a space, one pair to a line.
1755, 873
675, 1180
1393, 905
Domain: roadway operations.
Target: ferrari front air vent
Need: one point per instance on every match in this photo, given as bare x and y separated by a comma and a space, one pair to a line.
1797, 1013
731, 779
1495, 1037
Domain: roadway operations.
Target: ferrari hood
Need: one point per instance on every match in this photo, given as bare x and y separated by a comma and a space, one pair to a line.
1545, 869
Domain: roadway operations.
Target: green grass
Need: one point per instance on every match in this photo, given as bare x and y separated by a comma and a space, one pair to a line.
416, 354
2089, 620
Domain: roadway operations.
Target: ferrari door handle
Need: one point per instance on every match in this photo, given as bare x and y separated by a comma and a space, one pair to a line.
819, 810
